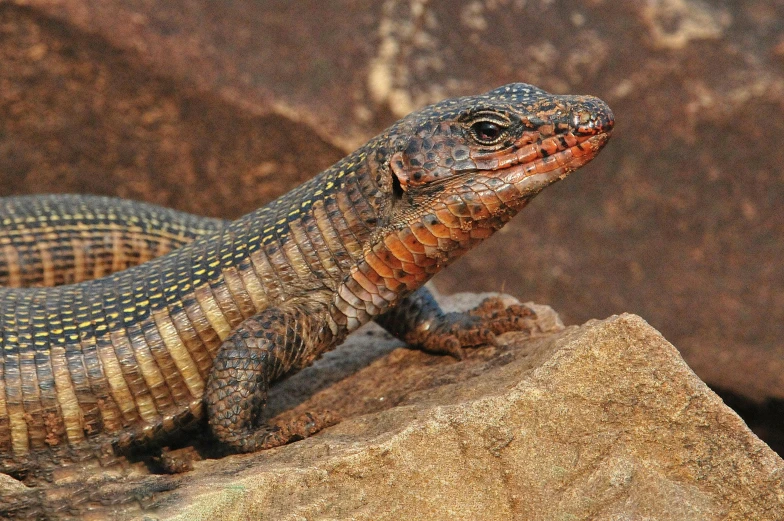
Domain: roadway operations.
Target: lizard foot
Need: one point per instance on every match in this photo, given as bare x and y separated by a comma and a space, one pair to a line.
306, 425
176, 461
270, 436
477, 326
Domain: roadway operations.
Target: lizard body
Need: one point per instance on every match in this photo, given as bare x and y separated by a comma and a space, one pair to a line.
93, 368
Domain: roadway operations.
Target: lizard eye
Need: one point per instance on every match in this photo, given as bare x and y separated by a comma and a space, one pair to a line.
487, 132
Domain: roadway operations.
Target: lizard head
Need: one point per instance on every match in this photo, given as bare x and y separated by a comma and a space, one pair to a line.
486, 155
460, 169
446, 177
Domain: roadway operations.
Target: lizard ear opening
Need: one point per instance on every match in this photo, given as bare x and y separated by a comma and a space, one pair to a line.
400, 179
397, 188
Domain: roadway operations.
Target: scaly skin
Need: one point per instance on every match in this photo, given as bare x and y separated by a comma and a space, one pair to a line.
92, 368
51, 240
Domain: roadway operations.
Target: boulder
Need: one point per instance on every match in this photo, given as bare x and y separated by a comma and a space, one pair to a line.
601, 421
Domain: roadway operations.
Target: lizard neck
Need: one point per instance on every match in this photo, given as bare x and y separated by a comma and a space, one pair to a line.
420, 239
310, 238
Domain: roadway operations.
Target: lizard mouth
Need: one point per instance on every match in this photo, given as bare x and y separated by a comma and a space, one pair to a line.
546, 161
534, 162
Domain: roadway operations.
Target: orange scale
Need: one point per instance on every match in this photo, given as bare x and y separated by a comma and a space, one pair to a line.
423, 234
397, 248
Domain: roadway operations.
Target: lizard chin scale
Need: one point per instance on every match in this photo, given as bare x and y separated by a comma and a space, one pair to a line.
531, 178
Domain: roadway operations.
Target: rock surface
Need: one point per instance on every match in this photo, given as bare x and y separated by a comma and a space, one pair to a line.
604, 421
77, 115
601, 421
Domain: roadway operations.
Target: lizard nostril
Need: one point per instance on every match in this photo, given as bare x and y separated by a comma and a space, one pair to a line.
592, 117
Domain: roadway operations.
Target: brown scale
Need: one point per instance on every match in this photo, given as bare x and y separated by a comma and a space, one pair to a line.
205, 329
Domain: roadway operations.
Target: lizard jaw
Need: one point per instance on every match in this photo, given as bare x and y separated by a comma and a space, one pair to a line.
532, 176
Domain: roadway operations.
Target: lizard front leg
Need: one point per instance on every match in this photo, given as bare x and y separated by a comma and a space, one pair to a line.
259, 351
420, 322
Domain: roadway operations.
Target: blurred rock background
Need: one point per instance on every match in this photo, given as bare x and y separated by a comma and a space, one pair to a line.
217, 107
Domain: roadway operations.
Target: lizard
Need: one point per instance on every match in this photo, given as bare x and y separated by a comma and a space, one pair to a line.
93, 368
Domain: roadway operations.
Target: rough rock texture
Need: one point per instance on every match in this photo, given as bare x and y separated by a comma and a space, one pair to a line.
602, 421
77, 115
679, 221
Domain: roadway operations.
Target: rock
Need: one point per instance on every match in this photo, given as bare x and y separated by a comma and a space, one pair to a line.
9, 485
601, 421
604, 421
77, 115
